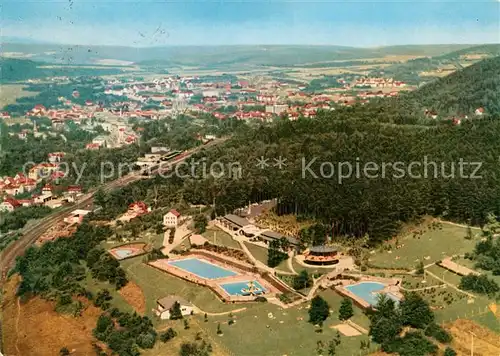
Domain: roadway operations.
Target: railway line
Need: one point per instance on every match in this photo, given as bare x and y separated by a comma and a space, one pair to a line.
31, 234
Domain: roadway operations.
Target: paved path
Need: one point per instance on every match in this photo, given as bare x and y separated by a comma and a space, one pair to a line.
289, 262
423, 288
181, 233
357, 326
459, 225
199, 311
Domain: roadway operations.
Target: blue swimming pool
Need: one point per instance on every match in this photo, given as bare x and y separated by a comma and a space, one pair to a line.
122, 253
202, 268
368, 291
242, 288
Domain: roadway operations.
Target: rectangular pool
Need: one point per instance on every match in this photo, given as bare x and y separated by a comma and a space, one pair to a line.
369, 291
243, 288
202, 268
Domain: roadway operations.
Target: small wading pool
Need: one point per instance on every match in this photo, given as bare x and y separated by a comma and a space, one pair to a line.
202, 268
243, 288
368, 291
122, 253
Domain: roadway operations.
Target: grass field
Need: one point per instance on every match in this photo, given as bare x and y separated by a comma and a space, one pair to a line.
260, 253
415, 282
311, 270
431, 246
10, 92
218, 237
173, 346
443, 273
287, 333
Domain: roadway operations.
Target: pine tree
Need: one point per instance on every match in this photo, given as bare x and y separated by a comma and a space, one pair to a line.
319, 310
175, 311
346, 311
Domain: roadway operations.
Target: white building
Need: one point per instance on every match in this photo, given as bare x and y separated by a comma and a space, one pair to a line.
211, 93
76, 216
171, 219
164, 305
159, 149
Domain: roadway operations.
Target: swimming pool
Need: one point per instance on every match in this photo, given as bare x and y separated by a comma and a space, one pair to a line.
236, 288
368, 291
202, 268
122, 253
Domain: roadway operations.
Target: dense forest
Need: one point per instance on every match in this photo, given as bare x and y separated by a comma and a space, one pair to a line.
14, 70
441, 170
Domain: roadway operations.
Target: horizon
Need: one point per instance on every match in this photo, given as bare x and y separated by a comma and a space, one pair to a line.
23, 41
367, 24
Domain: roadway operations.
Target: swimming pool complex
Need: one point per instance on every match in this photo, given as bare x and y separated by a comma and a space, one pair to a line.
202, 268
243, 288
368, 291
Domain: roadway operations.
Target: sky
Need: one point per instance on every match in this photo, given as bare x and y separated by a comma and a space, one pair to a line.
141, 23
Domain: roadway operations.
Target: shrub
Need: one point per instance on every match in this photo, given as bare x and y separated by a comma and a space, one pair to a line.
438, 333
168, 335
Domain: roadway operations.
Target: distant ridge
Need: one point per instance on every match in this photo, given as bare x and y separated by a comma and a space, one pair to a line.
213, 56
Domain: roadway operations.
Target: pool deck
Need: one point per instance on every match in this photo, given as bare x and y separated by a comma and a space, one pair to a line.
391, 286
137, 248
214, 284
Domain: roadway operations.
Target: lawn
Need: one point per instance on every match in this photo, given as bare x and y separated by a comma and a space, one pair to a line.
432, 246
287, 333
443, 273
173, 346
156, 284
260, 253
222, 238
415, 282
311, 270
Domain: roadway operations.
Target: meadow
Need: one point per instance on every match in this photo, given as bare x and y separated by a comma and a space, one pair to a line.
427, 244
9, 93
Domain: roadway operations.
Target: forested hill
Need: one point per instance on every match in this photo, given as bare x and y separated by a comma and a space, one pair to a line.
457, 94
359, 170
464, 90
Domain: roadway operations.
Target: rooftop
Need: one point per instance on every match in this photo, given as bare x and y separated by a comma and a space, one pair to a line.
169, 301
235, 219
323, 249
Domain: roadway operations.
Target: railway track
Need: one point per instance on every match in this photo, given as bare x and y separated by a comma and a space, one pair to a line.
31, 234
